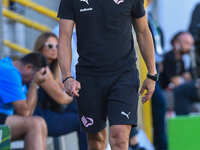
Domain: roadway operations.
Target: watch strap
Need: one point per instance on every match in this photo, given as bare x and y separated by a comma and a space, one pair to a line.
155, 77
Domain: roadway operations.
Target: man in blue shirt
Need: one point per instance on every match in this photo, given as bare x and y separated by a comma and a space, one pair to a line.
14, 74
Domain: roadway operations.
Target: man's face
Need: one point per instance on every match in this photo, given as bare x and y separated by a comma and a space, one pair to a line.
27, 73
186, 42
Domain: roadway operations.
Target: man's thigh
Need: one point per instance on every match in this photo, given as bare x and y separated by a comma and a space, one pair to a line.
122, 102
20, 125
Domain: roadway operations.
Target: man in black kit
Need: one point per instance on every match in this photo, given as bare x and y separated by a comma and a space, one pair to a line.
107, 80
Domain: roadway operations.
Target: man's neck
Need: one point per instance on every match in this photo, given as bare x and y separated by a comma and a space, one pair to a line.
178, 55
17, 64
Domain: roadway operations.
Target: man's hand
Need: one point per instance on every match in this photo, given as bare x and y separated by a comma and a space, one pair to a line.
41, 75
72, 87
149, 85
187, 76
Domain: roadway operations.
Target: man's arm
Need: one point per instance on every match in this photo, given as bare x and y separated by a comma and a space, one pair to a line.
180, 79
65, 56
145, 41
53, 89
64, 47
26, 107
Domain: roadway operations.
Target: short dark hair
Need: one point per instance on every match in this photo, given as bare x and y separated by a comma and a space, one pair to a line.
38, 60
176, 36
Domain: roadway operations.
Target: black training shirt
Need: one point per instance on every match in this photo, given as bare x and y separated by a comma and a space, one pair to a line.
104, 38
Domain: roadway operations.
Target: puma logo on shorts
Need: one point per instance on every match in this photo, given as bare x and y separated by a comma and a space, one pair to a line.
127, 115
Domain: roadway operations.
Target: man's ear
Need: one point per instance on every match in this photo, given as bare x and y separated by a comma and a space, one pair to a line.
178, 47
29, 68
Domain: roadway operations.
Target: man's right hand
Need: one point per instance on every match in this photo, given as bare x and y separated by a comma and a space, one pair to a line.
72, 87
41, 75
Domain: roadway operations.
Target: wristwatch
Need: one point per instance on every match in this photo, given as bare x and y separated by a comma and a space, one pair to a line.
155, 77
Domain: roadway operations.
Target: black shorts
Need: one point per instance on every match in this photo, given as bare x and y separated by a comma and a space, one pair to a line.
115, 97
3, 118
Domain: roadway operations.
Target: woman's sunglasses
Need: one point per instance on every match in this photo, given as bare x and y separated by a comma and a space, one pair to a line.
51, 45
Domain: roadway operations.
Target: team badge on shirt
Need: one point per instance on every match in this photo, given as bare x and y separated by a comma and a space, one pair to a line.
118, 1
86, 1
87, 121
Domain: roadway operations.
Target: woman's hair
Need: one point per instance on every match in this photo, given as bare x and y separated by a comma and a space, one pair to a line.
39, 44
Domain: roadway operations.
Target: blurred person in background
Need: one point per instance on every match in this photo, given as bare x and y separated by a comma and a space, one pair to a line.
53, 103
134, 144
194, 27
175, 72
187, 95
15, 97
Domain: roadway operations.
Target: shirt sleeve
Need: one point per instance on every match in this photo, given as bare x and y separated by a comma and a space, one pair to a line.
138, 10
11, 87
66, 10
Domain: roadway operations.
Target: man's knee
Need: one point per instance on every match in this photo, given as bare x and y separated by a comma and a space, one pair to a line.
119, 135
118, 138
39, 122
97, 141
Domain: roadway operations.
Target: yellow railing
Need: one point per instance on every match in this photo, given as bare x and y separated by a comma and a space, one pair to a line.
41, 9
17, 47
28, 22
22, 19
6, 3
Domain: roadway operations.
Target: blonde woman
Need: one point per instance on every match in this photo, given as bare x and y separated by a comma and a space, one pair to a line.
60, 118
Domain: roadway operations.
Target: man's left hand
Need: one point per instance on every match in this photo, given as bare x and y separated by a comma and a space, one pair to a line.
149, 85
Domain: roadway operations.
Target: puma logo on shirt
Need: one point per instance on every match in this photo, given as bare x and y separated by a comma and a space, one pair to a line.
86, 1
118, 1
